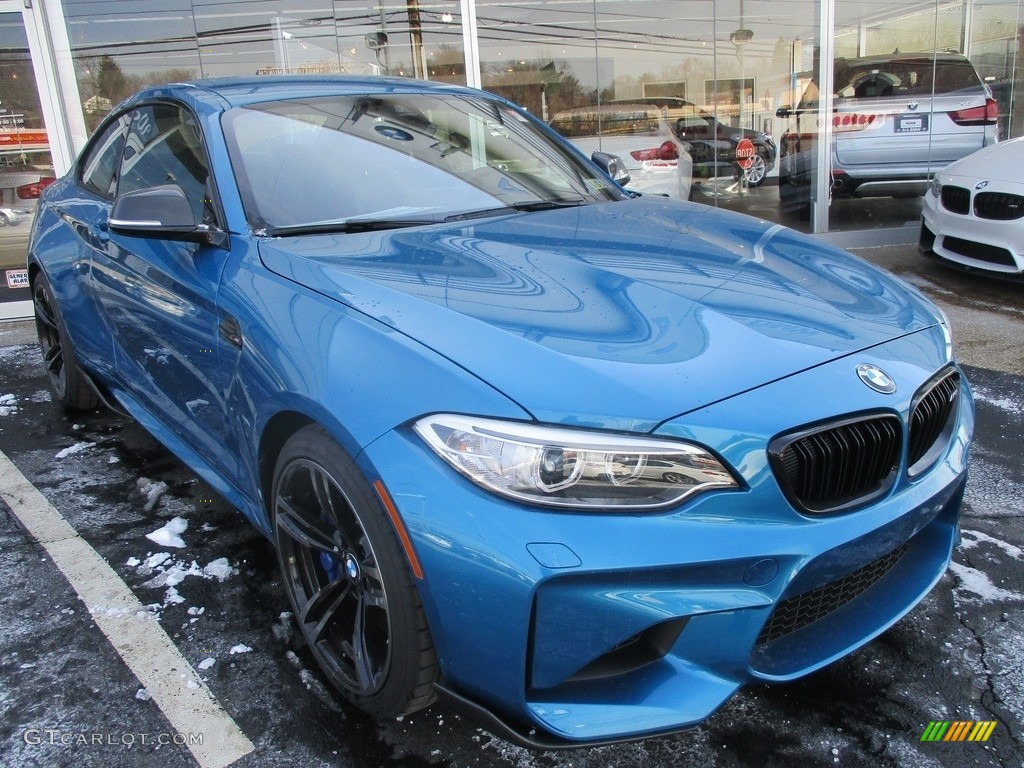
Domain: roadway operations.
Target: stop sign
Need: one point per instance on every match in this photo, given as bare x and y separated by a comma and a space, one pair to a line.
745, 153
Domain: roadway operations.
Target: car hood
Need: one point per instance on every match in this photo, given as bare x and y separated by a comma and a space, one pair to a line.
617, 315
996, 162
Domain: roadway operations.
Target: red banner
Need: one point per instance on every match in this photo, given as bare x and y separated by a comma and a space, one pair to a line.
21, 138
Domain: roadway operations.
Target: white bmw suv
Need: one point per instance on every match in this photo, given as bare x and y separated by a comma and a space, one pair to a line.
896, 120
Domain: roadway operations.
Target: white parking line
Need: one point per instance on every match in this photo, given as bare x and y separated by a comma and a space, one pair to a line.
134, 632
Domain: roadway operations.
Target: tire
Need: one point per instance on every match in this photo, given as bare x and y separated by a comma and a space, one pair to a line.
757, 172
4, 221
348, 579
69, 384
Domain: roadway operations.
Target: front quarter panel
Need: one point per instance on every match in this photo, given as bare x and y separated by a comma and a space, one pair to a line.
312, 356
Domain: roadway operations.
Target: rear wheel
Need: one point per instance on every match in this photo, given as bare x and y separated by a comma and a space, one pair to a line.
348, 579
69, 384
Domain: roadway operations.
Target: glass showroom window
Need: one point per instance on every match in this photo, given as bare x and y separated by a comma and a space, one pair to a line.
119, 47
685, 92
914, 90
719, 102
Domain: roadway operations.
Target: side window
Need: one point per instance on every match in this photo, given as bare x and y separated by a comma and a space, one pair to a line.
100, 162
164, 147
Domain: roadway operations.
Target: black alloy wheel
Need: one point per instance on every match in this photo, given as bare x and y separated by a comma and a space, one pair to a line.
349, 581
69, 384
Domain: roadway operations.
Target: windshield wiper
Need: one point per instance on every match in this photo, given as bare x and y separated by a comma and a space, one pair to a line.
533, 205
546, 205
346, 226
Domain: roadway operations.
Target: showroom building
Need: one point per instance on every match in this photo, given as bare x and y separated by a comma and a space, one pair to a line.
825, 116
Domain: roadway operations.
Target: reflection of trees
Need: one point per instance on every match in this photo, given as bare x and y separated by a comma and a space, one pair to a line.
447, 65
531, 84
103, 84
18, 88
110, 80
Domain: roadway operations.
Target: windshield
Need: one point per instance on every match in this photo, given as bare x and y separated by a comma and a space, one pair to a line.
314, 164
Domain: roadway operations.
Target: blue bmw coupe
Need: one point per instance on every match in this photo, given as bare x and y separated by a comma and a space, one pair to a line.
578, 462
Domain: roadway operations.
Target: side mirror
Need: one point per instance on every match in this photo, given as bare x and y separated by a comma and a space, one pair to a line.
784, 111
613, 166
161, 212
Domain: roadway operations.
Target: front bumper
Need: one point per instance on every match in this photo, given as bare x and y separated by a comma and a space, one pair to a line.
560, 628
969, 242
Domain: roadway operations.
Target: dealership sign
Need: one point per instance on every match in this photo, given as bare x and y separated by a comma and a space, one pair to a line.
25, 139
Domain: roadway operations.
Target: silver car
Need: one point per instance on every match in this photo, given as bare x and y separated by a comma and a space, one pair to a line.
896, 120
641, 136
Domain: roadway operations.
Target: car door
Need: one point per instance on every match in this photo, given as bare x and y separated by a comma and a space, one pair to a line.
159, 296
70, 258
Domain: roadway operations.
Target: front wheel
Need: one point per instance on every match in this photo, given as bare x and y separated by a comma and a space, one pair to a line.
348, 579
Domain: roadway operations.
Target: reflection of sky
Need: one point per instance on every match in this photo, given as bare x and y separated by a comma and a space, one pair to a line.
236, 38
584, 283
241, 37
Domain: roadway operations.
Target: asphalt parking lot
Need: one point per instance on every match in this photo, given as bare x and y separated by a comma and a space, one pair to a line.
199, 576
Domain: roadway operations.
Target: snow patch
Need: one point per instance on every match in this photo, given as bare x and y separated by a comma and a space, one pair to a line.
174, 575
8, 405
167, 573
973, 538
973, 580
1012, 407
170, 534
240, 648
219, 569
42, 396
206, 663
73, 449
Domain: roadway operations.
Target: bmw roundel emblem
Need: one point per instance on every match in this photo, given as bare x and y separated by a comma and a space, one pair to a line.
876, 378
981, 185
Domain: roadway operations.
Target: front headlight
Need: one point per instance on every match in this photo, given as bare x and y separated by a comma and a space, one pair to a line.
936, 186
560, 467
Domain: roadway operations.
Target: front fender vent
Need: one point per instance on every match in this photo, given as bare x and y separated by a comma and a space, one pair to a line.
838, 466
